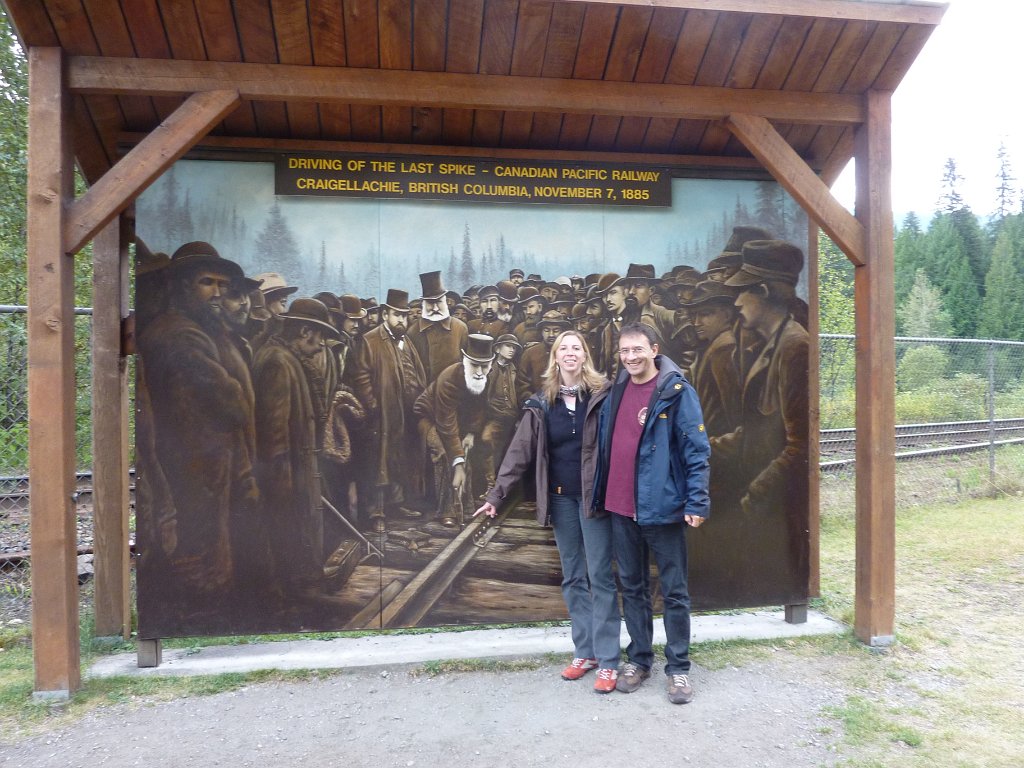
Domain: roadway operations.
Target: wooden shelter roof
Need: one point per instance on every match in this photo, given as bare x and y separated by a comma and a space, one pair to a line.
653, 77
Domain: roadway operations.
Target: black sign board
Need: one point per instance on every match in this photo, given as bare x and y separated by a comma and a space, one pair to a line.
471, 179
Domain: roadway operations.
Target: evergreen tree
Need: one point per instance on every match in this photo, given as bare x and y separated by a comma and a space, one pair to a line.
371, 273
453, 268
275, 249
835, 288
910, 243
466, 274
923, 314
768, 214
949, 269
950, 199
1002, 311
342, 279
321, 272
1005, 191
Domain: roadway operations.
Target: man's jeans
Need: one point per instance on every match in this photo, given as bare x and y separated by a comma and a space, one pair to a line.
632, 545
588, 585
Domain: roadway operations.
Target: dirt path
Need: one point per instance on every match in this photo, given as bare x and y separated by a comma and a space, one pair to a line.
760, 715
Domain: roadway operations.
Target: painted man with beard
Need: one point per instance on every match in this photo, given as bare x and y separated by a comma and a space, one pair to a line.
496, 303
387, 378
532, 306
287, 424
675, 330
612, 289
202, 402
438, 337
452, 411
534, 361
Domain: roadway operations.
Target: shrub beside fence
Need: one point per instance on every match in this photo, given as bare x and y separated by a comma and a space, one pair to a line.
974, 388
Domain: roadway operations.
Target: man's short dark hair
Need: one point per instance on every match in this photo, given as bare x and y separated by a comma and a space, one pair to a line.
641, 329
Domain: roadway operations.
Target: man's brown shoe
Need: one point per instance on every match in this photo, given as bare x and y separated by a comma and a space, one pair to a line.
606, 679
679, 689
578, 668
631, 677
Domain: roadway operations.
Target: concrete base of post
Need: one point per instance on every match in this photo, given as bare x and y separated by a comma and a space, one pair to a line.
150, 653
796, 613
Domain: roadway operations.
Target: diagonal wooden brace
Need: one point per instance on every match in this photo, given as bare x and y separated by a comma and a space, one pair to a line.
119, 186
797, 178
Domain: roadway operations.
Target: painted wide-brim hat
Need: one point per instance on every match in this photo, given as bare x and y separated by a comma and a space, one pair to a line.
313, 312
766, 260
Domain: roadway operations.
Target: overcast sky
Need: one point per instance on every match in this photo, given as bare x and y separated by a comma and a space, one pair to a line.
961, 98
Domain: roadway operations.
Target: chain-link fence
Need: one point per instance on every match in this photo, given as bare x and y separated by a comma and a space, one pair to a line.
15, 544
959, 414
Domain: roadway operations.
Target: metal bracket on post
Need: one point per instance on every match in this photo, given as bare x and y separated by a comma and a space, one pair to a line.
796, 613
150, 653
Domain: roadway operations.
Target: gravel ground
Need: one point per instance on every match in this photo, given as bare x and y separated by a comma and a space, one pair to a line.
759, 716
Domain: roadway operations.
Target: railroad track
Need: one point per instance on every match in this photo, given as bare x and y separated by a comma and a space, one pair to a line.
919, 441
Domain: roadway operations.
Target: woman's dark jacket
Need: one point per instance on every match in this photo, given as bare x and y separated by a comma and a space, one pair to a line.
530, 445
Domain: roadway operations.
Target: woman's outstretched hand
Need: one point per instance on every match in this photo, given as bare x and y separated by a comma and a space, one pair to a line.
487, 508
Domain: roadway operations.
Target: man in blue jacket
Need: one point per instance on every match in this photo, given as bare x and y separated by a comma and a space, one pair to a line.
653, 474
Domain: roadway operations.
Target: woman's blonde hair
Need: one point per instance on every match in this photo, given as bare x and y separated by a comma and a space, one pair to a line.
590, 379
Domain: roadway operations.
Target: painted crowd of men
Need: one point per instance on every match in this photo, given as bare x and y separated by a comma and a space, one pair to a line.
272, 426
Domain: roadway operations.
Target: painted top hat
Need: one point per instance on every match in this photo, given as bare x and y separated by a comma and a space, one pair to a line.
312, 312
431, 284
479, 348
765, 260
274, 285
397, 300
710, 292
553, 318
507, 338
198, 254
351, 307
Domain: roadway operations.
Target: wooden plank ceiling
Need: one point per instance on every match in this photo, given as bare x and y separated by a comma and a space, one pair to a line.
798, 46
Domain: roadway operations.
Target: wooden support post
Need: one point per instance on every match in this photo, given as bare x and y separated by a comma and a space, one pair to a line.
110, 431
149, 653
874, 296
51, 381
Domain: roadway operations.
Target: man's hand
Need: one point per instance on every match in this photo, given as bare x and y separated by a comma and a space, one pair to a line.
459, 478
487, 508
467, 443
693, 521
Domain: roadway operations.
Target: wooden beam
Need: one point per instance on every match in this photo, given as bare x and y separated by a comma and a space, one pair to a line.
144, 164
394, 88
796, 177
112, 559
901, 13
51, 381
874, 297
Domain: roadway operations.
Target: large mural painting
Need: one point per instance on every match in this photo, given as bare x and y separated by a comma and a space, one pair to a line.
332, 364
